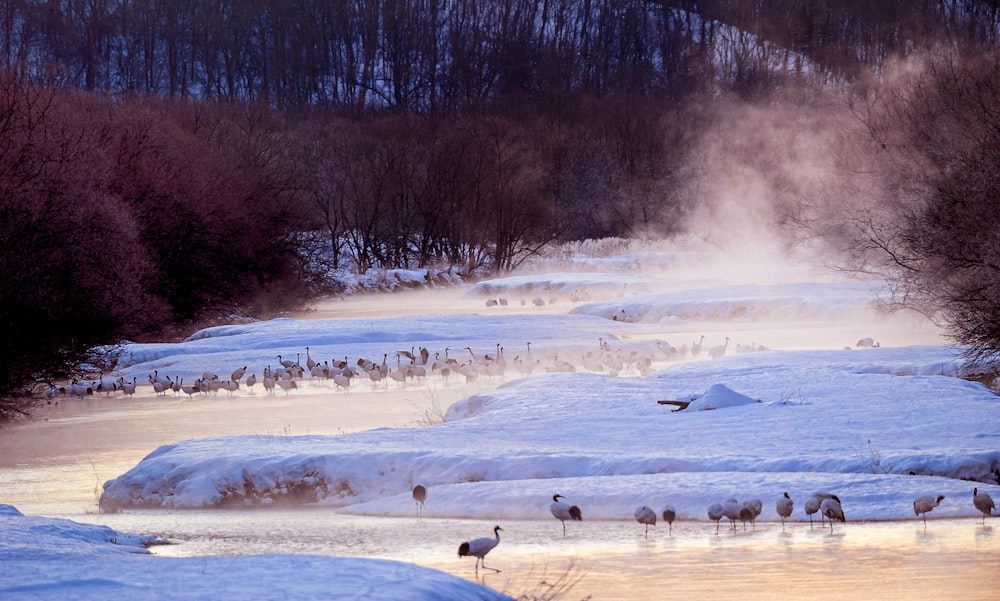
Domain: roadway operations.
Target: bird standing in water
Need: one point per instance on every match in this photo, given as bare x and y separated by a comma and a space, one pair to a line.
564, 511
645, 515
784, 508
925, 503
479, 547
831, 510
983, 502
420, 495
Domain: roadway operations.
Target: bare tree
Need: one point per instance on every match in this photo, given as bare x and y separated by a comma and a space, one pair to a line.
937, 133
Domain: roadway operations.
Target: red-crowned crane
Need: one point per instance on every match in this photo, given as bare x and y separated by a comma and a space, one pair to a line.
564, 511
479, 547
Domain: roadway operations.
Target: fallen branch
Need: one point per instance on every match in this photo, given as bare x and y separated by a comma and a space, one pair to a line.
682, 404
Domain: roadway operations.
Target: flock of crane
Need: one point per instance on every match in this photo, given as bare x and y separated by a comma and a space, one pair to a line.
415, 365
828, 505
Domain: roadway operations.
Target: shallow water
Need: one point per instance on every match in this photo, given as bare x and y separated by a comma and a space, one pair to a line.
614, 560
55, 466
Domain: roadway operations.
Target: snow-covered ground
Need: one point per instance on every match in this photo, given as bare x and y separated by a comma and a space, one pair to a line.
49, 558
878, 426
569, 404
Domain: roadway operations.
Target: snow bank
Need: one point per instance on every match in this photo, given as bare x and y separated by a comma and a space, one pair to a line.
46, 558
841, 420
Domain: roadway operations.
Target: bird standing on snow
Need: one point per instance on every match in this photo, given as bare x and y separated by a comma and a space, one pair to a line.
925, 503
420, 495
983, 502
831, 510
564, 511
668, 516
645, 515
784, 506
479, 547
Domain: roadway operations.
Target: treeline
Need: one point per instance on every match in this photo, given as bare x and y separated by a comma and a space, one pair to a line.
167, 163
123, 217
440, 56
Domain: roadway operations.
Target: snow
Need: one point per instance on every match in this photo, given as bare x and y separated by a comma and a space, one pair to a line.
877, 426
49, 558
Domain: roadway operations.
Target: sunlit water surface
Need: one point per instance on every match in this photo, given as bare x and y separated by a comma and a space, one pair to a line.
55, 466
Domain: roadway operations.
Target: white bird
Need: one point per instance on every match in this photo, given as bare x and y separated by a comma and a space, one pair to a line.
230, 386
749, 512
189, 389
983, 502
815, 500
564, 511
732, 509
696, 347
831, 510
925, 503
420, 495
645, 515
784, 506
668, 516
129, 387
717, 351
715, 514
479, 547
342, 381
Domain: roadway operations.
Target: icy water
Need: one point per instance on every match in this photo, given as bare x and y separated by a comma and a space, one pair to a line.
55, 466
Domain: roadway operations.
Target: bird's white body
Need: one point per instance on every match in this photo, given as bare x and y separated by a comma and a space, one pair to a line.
983, 502
813, 503
731, 508
564, 511
784, 507
749, 512
925, 503
715, 514
832, 510
479, 547
645, 515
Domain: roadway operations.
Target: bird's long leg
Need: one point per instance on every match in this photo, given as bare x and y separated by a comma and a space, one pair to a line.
486, 567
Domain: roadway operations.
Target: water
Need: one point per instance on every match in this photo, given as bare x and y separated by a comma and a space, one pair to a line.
55, 466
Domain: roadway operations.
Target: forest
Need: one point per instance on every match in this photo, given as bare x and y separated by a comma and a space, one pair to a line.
166, 164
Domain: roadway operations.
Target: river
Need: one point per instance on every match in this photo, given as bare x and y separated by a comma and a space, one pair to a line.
55, 466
